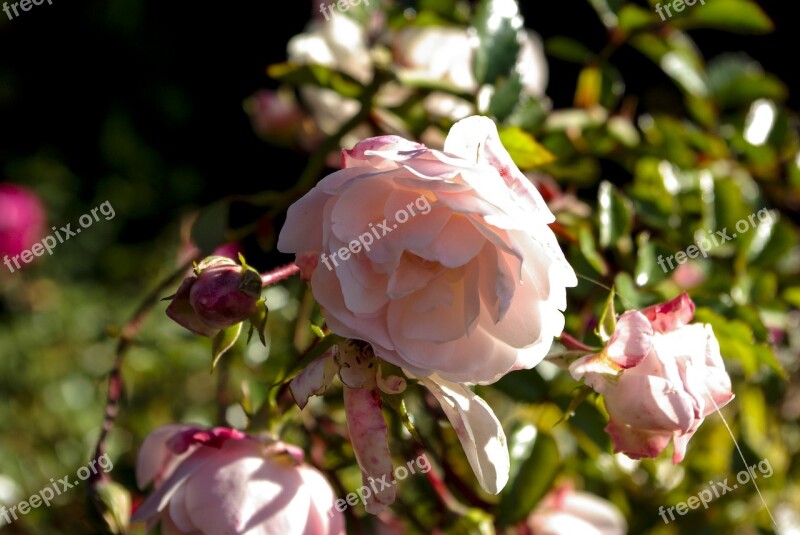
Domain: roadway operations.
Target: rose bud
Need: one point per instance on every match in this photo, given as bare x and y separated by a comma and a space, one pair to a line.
221, 293
220, 481
565, 511
657, 388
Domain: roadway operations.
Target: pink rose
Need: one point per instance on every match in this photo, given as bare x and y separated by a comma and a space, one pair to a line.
442, 261
22, 220
660, 377
220, 481
567, 512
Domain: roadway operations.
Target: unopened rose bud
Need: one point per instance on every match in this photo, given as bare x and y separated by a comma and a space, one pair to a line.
222, 293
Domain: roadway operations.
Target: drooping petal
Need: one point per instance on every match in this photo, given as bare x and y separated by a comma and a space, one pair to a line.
314, 380
369, 437
478, 429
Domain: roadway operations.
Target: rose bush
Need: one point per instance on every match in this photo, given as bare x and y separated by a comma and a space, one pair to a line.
469, 291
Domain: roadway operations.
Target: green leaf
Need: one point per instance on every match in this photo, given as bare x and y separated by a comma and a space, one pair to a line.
589, 250
678, 57
498, 23
531, 482
223, 341
738, 16
648, 269
523, 148
633, 18
506, 97
568, 49
608, 319
258, 322
208, 230
590, 84
316, 75
736, 80
615, 215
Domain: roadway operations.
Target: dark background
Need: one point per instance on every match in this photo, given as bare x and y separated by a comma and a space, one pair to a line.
142, 99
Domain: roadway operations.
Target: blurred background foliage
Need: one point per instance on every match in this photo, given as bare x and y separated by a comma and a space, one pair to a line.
651, 134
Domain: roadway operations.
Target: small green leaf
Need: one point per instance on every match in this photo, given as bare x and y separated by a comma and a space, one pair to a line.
738, 16
608, 319
568, 49
588, 248
590, 84
615, 215
523, 148
208, 230
258, 322
531, 482
316, 330
497, 23
223, 341
633, 18
506, 97
316, 75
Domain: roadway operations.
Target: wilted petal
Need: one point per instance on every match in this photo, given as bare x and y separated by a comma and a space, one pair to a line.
478, 429
671, 315
369, 437
314, 380
391, 384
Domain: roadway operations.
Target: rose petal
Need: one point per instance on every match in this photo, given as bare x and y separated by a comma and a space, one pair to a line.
478, 429
671, 315
369, 437
314, 380
631, 341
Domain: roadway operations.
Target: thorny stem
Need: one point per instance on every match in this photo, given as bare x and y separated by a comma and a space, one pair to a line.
115, 385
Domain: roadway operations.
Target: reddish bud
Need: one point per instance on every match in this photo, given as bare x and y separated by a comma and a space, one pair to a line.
222, 293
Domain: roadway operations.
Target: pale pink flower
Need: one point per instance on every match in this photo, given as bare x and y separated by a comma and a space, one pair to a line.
565, 511
468, 288
222, 482
660, 376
